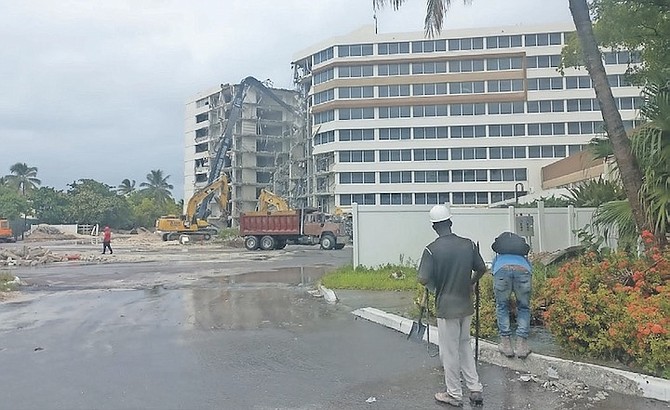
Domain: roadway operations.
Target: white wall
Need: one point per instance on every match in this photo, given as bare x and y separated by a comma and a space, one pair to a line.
383, 234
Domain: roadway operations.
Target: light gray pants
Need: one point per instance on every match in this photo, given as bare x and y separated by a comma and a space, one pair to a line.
457, 355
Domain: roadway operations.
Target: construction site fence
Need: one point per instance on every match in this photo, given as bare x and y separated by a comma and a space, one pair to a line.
398, 234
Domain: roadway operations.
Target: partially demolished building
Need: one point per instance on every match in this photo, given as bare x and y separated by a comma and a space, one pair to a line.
269, 148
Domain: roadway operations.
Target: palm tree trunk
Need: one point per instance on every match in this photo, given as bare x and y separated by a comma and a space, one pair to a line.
631, 175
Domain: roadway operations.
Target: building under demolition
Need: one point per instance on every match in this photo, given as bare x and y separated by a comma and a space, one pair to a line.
269, 148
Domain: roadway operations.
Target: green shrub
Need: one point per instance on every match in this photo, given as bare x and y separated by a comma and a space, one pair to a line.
228, 233
614, 306
5, 279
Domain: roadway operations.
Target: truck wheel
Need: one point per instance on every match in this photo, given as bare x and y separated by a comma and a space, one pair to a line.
267, 243
327, 242
164, 237
251, 243
206, 236
339, 246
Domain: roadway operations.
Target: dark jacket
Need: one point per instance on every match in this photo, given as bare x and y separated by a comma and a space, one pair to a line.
446, 268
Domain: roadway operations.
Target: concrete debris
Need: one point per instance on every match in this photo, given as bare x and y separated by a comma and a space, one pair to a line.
371, 400
27, 256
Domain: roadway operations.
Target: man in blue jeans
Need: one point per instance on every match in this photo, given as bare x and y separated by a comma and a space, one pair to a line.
512, 274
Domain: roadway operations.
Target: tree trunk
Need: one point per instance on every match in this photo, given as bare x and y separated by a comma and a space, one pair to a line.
631, 175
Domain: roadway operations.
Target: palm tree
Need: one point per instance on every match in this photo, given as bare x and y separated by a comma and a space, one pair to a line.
630, 169
157, 186
126, 187
22, 177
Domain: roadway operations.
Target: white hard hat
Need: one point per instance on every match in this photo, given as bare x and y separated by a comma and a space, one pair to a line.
440, 213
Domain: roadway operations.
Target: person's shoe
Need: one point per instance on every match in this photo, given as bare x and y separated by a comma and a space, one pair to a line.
476, 398
444, 397
505, 346
522, 350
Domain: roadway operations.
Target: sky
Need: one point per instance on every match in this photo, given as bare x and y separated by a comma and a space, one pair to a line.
97, 89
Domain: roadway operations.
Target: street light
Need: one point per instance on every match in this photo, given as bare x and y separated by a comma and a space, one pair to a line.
518, 191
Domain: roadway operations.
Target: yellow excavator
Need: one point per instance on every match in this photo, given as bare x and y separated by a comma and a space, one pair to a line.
271, 203
171, 227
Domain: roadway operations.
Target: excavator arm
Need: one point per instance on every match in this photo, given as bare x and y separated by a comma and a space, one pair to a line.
266, 199
220, 184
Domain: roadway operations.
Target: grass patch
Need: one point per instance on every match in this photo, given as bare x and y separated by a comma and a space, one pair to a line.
5, 285
228, 233
387, 277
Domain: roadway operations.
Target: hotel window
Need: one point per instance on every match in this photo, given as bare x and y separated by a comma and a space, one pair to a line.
393, 69
508, 175
356, 92
324, 96
468, 153
430, 89
395, 199
546, 83
429, 111
355, 71
395, 112
466, 66
468, 131
361, 199
395, 177
326, 116
430, 133
400, 90
354, 50
516, 107
503, 41
503, 86
394, 133
431, 198
576, 82
393, 48
429, 46
431, 154
395, 155
356, 113
357, 156
467, 87
357, 177
367, 134
323, 76
457, 44
431, 176
543, 61
507, 130
543, 39
505, 63
324, 137
467, 109
323, 55
546, 106
546, 128
433, 67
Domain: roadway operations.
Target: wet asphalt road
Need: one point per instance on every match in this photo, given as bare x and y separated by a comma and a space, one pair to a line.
242, 336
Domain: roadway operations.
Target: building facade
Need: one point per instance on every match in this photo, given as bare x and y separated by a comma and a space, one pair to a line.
268, 147
467, 117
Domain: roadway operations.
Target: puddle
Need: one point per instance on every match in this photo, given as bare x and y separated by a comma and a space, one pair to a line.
289, 276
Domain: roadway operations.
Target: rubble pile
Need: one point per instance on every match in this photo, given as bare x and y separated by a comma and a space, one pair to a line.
27, 256
46, 232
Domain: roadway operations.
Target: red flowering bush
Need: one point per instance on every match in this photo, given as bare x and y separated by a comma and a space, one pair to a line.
614, 306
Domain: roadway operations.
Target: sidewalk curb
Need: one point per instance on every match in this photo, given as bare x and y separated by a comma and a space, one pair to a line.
616, 380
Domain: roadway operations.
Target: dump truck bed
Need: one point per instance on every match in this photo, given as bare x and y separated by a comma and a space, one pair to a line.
279, 224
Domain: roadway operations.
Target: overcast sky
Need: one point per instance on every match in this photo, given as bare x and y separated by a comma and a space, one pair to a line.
96, 89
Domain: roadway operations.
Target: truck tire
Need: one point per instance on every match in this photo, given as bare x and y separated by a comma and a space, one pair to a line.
267, 243
328, 242
164, 237
339, 246
251, 243
206, 236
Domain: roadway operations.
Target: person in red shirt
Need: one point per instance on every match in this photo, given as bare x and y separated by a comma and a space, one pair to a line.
107, 240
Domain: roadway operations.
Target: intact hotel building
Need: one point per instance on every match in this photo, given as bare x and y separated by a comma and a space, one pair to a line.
401, 119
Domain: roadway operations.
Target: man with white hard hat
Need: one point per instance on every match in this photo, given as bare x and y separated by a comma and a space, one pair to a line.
446, 268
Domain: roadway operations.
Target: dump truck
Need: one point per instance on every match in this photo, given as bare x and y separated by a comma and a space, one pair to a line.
6, 234
307, 226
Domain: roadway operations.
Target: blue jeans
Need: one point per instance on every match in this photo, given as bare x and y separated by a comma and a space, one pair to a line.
506, 280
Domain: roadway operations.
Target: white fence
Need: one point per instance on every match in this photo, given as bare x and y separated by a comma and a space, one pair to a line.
71, 229
388, 234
